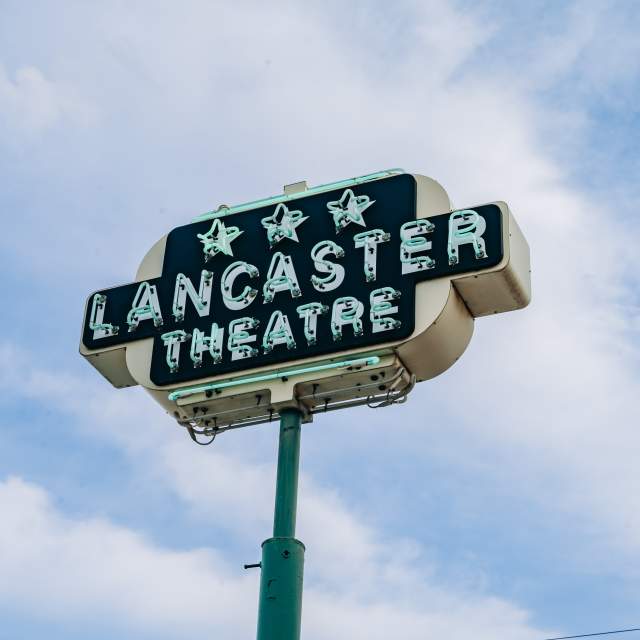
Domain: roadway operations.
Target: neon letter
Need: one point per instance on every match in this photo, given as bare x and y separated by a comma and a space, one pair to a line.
347, 310
239, 337
335, 271
278, 331
145, 307
247, 296
202, 342
201, 299
280, 277
409, 245
100, 329
369, 240
380, 301
172, 341
310, 313
466, 227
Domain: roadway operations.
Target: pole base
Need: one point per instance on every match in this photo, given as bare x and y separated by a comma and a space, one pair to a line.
281, 589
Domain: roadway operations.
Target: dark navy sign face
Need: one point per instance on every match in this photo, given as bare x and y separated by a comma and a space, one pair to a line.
315, 276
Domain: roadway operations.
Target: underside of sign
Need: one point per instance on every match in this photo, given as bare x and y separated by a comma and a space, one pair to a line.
319, 299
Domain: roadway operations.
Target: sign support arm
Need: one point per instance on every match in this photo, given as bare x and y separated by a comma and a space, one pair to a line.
280, 603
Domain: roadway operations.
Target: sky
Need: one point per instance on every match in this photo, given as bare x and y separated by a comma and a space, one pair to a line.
503, 499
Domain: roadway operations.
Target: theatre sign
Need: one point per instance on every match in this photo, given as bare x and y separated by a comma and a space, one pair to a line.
317, 299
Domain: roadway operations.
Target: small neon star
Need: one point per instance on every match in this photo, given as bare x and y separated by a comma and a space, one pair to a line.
349, 209
218, 239
282, 224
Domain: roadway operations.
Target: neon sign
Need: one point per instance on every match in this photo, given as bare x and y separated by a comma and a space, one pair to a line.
335, 272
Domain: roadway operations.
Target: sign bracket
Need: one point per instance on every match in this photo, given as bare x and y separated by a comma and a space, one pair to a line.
380, 385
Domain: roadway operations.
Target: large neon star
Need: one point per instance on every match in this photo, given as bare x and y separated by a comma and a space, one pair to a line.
349, 209
218, 239
282, 224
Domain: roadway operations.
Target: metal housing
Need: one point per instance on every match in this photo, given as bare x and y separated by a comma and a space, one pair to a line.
445, 309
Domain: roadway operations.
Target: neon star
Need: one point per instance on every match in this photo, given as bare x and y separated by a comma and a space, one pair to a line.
282, 224
349, 209
218, 239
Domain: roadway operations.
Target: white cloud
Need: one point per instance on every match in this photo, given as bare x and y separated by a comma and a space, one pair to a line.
80, 572
271, 95
478, 135
359, 582
75, 571
31, 103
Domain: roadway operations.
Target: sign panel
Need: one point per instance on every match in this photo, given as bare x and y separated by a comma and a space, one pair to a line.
312, 276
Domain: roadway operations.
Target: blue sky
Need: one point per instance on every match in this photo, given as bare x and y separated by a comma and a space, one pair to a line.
120, 121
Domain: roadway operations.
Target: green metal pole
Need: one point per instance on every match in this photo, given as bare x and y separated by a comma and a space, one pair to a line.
280, 605
284, 519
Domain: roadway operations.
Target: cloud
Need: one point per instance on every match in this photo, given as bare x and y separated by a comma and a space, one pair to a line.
76, 571
358, 580
194, 119
30, 103
82, 571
